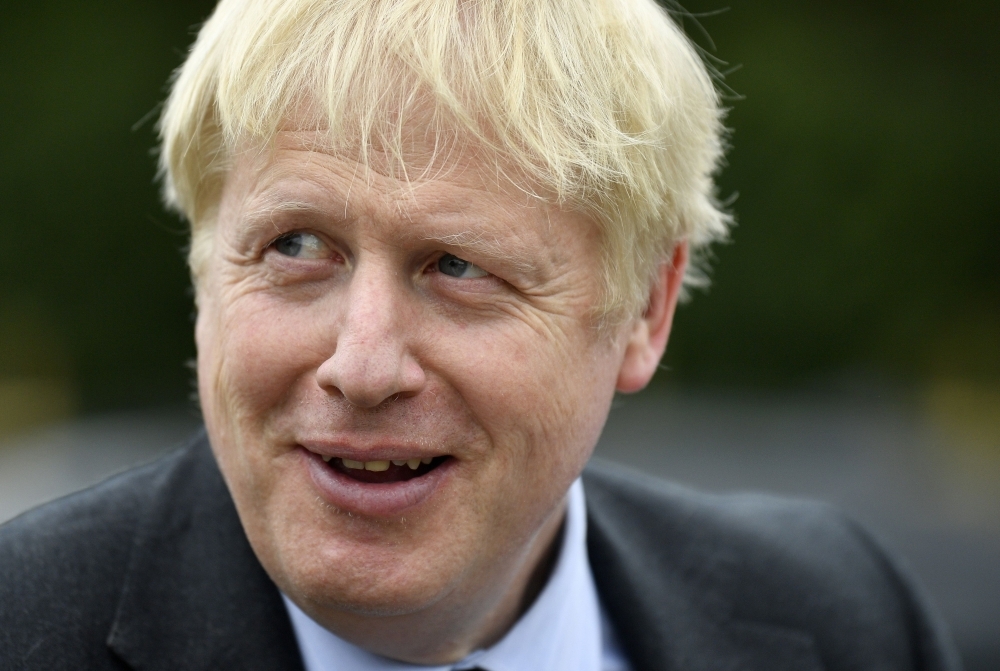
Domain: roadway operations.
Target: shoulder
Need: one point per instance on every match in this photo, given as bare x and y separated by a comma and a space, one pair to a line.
749, 532
63, 563
764, 560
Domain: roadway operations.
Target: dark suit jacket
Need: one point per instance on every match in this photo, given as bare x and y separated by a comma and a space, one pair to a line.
151, 571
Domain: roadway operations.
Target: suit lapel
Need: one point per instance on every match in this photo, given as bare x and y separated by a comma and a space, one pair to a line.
195, 597
659, 583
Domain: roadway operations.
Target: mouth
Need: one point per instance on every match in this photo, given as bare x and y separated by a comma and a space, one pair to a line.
377, 487
383, 471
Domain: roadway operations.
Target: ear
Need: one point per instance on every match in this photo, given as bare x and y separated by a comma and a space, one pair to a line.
648, 338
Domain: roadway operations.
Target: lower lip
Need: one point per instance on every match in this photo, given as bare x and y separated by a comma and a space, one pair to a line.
369, 499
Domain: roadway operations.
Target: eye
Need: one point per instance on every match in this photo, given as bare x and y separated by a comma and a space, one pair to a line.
451, 265
301, 245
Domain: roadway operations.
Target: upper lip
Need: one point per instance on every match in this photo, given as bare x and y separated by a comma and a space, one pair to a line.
379, 452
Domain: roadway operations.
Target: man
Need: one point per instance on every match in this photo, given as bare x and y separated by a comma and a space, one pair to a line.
430, 240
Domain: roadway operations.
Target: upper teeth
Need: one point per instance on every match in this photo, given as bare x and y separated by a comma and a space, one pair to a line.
381, 464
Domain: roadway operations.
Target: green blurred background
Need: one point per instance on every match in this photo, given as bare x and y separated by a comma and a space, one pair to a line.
865, 151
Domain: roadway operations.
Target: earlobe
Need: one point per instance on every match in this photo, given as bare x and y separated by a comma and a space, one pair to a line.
648, 338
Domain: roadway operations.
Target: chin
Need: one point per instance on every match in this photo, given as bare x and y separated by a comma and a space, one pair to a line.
336, 561
359, 588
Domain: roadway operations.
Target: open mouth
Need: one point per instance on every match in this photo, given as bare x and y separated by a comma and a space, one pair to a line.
379, 487
385, 471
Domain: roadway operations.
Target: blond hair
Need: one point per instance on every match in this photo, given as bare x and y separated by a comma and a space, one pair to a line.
603, 104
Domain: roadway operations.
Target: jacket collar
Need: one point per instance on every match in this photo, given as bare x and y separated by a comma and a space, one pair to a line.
661, 577
194, 596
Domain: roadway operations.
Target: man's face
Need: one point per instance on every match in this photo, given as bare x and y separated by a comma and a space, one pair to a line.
349, 318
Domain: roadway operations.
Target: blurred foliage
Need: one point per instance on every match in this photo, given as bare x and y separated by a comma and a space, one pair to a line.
106, 296
865, 150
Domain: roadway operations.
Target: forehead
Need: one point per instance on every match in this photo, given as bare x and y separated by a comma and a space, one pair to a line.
428, 161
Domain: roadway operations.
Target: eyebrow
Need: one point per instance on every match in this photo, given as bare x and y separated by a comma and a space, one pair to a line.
261, 216
515, 255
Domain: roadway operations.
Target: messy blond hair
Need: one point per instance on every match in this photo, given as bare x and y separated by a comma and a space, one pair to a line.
604, 105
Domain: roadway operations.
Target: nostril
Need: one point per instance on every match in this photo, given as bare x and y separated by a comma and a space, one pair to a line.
368, 374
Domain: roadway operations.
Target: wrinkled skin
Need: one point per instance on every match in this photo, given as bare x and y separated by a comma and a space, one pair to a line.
357, 339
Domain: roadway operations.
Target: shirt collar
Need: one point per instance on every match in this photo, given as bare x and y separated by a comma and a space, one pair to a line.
561, 631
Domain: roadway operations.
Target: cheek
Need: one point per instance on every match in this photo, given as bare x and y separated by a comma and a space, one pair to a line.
542, 397
251, 355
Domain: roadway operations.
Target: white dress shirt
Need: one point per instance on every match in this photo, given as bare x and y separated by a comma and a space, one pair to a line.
566, 629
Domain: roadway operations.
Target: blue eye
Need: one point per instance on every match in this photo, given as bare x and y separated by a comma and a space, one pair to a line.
302, 246
451, 265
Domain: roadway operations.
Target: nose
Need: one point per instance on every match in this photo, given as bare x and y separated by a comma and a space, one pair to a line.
372, 361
